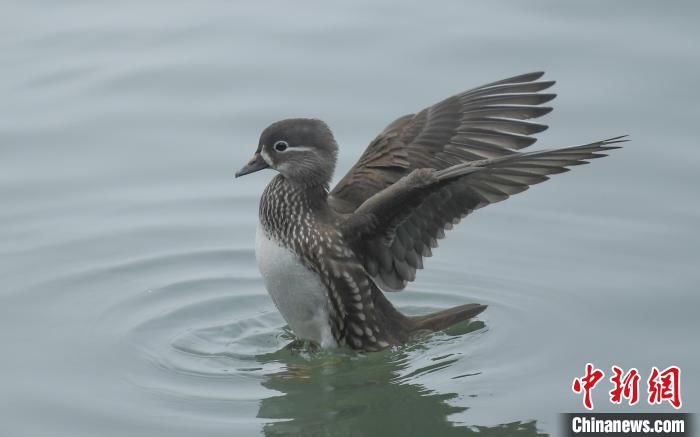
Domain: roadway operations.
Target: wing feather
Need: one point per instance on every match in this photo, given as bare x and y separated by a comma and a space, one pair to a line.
411, 216
481, 123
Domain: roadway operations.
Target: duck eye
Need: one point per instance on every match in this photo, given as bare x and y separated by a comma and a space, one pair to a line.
281, 146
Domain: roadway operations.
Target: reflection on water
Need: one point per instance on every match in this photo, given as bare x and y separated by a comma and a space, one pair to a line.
368, 395
360, 394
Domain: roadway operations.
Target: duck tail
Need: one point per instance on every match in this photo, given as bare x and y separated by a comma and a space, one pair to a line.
440, 320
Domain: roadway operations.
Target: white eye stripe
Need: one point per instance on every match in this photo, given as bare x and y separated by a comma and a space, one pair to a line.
266, 157
293, 149
298, 149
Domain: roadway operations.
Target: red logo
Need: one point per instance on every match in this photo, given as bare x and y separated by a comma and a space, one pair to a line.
665, 386
662, 385
626, 386
587, 383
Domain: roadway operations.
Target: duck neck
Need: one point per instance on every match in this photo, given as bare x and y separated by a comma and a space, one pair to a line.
285, 205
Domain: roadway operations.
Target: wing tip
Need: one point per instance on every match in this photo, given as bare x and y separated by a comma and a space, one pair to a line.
532, 76
542, 110
547, 97
607, 144
538, 128
520, 78
615, 140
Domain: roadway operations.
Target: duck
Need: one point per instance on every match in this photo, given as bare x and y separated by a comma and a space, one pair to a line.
329, 257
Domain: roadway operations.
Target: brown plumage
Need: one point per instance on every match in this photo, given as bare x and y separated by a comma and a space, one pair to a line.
420, 176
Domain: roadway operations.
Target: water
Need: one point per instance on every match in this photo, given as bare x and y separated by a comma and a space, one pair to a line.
131, 304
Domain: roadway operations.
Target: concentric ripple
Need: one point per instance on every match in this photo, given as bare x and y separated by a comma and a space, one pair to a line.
224, 326
219, 338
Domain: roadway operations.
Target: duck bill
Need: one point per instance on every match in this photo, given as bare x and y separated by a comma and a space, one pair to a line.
256, 163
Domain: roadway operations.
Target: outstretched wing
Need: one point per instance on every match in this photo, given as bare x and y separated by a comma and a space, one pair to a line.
482, 123
394, 229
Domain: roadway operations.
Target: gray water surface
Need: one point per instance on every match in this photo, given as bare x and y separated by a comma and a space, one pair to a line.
130, 301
